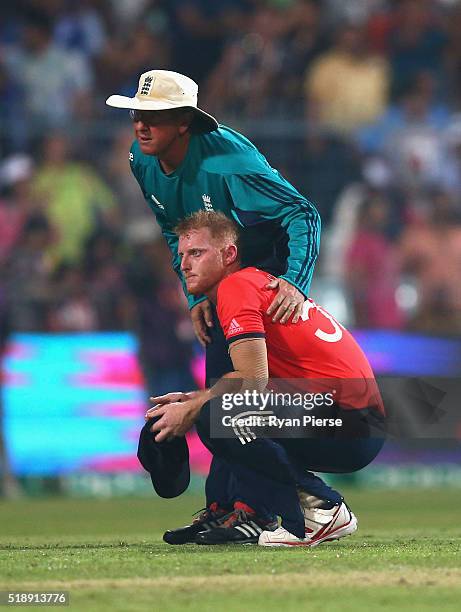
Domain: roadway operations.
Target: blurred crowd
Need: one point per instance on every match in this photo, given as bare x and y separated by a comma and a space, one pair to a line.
358, 103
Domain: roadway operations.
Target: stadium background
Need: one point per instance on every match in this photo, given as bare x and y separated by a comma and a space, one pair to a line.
357, 103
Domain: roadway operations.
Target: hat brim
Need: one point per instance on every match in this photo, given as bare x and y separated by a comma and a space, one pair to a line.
203, 121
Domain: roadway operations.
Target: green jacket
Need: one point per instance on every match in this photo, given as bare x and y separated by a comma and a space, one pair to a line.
224, 171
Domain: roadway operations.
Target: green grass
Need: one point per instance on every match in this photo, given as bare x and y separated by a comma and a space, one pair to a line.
109, 555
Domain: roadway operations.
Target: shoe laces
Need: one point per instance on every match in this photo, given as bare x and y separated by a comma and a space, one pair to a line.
205, 513
236, 516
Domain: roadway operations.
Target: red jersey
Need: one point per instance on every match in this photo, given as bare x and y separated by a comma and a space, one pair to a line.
316, 347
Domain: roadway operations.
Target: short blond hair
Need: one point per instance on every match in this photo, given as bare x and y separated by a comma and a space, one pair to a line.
221, 227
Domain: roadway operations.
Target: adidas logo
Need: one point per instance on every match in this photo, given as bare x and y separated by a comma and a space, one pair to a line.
154, 199
234, 327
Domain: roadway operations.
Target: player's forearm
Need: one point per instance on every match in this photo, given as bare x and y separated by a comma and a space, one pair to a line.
237, 382
251, 372
249, 358
232, 382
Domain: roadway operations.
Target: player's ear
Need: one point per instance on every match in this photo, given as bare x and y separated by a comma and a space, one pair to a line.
183, 128
230, 254
186, 120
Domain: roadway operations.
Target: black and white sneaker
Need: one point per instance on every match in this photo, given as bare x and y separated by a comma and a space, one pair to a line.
209, 518
241, 526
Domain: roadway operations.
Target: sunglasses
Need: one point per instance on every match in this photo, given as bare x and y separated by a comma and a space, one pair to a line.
154, 117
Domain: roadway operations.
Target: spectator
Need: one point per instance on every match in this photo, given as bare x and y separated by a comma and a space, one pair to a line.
15, 201
75, 199
252, 59
199, 29
347, 87
72, 309
415, 148
80, 27
379, 23
430, 250
353, 11
126, 14
13, 135
418, 44
124, 58
303, 40
27, 277
371, 268
322, 165
56, 83
453, 52
451, 168
415, 107
103, 270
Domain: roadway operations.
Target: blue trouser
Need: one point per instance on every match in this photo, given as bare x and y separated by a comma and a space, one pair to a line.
227, 480
268, 472
221, 485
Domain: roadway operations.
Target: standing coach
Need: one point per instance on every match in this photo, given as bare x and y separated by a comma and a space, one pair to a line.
184, 161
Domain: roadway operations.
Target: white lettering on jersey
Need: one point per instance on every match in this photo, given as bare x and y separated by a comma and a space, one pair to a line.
325, 336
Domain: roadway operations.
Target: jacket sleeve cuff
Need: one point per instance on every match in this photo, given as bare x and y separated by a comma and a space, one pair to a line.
298, 287
193, 301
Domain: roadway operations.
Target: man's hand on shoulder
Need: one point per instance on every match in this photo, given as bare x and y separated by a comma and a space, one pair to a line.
288, 303
201, 321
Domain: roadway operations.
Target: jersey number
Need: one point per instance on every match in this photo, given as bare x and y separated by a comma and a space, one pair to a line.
325, 336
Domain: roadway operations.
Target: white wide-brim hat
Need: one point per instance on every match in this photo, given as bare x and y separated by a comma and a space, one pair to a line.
164, 90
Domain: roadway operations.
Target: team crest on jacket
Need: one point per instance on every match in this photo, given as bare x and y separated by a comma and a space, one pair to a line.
207, 202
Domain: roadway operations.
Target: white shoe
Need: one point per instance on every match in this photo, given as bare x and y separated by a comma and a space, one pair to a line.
281, 537
325, 525
320, 525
